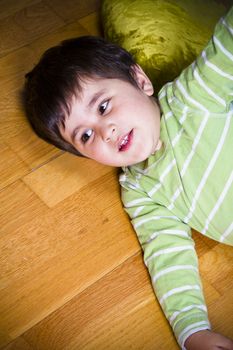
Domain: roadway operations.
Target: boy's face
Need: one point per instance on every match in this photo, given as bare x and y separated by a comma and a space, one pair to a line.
113, 122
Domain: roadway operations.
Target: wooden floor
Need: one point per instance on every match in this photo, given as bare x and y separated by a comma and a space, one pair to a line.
72, 275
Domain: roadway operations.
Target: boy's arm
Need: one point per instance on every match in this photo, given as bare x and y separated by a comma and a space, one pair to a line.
172, 262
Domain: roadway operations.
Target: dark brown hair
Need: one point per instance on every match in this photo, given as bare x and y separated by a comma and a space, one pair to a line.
57, 77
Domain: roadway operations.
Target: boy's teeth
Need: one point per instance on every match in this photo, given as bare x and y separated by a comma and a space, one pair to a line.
124, 141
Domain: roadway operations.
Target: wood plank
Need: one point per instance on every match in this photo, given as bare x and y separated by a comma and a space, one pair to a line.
202, 243
13, 121
68, 31
14, 66
18, 205
33, 150
18, 344
27, 25
55, 257
107, 187
63, 176
92, 24
73, 10
11, 167
117, 312
108, 315
9, 7
221, 279
221, 314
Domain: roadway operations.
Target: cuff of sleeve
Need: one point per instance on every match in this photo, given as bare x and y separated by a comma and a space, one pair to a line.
190, 325
192, 331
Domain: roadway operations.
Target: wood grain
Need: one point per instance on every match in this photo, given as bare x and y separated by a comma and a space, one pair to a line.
71, 269
63, 176
26, 25
73, 10
12, 168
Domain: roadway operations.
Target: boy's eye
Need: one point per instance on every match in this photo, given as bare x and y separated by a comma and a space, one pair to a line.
102, 107
86, 135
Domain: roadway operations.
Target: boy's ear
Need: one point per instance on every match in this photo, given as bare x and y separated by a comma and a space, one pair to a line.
142, 80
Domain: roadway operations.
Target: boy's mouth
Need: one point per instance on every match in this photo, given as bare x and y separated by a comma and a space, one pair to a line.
125, 142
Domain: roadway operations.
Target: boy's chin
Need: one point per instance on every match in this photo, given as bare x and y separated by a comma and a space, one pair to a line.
137, 160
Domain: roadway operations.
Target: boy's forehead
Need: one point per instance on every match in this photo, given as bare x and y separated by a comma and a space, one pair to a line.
91, 86
90, 92
98, 85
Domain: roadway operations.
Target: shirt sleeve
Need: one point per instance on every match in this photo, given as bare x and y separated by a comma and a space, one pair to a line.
207, 84
171, 259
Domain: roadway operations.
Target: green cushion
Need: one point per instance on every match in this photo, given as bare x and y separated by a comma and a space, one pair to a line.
164, 36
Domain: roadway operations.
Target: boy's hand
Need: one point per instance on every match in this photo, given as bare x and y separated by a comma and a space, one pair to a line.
207, 340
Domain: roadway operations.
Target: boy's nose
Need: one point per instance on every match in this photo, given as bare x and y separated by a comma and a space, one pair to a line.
109, 133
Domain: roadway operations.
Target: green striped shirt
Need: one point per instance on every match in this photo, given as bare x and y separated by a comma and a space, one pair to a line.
188, 183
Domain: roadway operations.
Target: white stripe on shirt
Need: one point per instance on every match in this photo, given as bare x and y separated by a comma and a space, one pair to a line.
210, 167
222, 48
174, 197
137, 201
168, 115
143, 221
227, 232
138, 211
188, 160
189, 98
162, 177
167, 232
178, 136
178, 290
195, 144
181, 121
171, 269
187, 308
227, 26
207, 89
168, 251
215, 68
219, 202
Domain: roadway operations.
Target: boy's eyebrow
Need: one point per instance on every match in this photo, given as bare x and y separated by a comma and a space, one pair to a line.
73, 134
95, 97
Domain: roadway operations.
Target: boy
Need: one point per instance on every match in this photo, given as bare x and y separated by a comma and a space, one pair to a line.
90, 98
